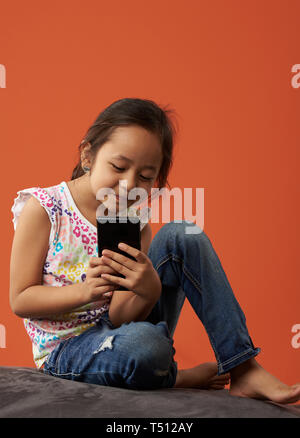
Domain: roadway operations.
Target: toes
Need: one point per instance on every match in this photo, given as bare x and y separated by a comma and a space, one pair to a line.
219, 382
295, 393
222, 379
217, 386
224, 376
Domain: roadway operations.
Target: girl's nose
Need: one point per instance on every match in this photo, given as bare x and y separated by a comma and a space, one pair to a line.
131, 183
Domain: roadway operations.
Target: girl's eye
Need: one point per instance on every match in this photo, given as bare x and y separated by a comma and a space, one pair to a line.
118, 168
121, 169
146, 179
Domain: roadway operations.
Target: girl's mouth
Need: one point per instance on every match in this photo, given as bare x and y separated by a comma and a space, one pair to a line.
124, 200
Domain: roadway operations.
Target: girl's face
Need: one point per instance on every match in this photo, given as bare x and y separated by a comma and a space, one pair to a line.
132, 154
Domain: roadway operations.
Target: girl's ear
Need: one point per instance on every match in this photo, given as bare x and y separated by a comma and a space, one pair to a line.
85, 155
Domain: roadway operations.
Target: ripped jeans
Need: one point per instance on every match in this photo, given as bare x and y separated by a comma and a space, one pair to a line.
140, 355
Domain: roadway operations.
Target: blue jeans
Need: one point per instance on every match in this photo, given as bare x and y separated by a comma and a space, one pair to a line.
139, 355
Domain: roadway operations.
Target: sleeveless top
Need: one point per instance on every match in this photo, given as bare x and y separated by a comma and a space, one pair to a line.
72, 242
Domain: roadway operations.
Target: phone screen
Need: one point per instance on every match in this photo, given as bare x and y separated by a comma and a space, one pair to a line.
110, 232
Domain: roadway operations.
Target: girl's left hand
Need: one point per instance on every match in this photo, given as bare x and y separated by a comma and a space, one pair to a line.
140, 275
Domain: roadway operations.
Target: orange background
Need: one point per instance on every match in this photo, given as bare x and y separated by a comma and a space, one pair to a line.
225, 67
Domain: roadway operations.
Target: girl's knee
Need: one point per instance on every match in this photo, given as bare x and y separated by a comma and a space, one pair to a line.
183, 227
150, 340
151, 355
184, 232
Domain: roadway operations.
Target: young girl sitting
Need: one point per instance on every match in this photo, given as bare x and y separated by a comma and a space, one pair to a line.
81, 325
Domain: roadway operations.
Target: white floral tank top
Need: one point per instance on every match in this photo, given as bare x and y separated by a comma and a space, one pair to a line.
72, 242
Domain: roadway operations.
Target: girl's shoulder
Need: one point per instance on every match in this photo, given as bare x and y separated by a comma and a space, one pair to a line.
49, 197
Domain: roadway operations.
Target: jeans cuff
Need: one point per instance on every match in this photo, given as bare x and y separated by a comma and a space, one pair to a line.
171, 379
224, 367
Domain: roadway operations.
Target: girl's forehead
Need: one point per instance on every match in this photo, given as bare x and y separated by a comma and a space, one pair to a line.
133, 147
131, 135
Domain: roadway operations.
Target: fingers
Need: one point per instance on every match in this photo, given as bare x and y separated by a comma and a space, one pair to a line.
119, 281
117, 267
123, 277
103, 269
98, 267
110, 293
106, 291
94, 261
139, 256
120, 259
134, 252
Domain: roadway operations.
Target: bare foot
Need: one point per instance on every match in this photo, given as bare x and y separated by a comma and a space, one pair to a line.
251, 380
202, 376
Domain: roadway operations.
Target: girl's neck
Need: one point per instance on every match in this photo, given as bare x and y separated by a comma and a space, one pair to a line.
83, 197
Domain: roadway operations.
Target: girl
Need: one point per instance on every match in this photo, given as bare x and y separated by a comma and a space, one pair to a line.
81, 326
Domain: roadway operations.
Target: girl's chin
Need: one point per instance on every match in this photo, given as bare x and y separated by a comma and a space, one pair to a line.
118, 205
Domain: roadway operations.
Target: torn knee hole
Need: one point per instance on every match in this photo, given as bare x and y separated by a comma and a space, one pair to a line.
107, 343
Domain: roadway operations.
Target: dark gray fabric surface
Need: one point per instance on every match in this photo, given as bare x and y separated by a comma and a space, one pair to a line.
28, 393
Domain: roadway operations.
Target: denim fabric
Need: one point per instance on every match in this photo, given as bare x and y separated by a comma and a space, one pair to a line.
188, 266
136, 355
139, 355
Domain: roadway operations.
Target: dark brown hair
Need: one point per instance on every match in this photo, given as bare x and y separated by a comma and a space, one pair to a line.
132, 111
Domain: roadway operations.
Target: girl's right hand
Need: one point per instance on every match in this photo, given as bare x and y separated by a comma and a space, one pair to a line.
96, 288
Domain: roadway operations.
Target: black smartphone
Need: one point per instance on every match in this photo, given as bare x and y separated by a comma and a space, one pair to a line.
113, 230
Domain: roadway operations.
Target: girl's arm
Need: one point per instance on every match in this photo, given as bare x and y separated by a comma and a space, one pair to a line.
28, 297
126, 306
